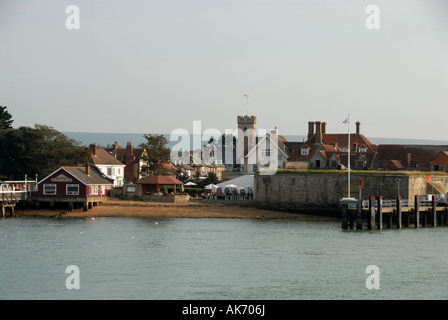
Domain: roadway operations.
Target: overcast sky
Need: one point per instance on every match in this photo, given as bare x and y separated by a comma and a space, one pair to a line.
153, 66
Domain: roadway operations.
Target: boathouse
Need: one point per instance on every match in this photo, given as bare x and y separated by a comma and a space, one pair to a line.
73, 186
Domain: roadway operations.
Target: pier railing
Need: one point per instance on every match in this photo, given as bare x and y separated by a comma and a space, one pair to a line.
421, 211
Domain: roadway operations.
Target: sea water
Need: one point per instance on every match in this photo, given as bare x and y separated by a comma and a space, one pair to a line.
207, 259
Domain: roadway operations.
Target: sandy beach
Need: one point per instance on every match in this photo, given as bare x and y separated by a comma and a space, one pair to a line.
115, 207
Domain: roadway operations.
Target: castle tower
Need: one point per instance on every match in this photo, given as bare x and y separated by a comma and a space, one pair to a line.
247, 125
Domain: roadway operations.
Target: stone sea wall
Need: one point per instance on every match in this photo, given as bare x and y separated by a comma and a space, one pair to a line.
323, 190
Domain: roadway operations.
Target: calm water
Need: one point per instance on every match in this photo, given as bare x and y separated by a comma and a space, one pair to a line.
126, 258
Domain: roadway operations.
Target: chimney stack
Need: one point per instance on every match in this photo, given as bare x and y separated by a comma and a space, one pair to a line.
310, 129
318, 139
88, 169
93, 148
129, 153
324, 127
358, 127
408, 159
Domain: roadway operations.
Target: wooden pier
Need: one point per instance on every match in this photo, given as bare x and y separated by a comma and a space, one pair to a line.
9, 199
377, 213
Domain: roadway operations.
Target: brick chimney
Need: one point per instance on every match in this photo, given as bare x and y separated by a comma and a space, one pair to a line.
310, 129
88, 169
318, 139
324, 127
408, 159
93, 148
129, 153
358, 127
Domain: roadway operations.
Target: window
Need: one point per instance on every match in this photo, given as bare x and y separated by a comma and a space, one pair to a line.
93, 189
49, 189
363, 150
317, 163
280, 157
72, 189
109, 171
265, 152
333, 163
304, 152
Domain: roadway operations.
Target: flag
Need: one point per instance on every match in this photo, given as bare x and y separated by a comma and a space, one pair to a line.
345, 122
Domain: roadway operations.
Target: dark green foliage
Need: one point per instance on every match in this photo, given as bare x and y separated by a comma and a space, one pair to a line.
156, 156
5, 119
39, 150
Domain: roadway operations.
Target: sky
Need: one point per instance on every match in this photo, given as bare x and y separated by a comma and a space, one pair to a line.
154, 66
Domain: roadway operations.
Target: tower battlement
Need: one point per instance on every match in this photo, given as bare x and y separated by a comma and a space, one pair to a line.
252, 120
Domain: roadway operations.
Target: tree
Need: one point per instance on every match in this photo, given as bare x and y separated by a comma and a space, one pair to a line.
39, 150
5, 119
156, 155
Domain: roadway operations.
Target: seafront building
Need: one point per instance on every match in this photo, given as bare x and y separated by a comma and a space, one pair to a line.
83, 185
107, 164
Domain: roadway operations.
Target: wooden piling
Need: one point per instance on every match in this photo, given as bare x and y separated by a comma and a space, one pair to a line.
371, 219
425, 218
380, 212
351, 219
344, 216
434, 211
417, 211
399, 222
359, 215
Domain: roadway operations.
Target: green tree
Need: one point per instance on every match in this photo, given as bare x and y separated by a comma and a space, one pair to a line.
5, 119
156, 155
211, 178
39, 150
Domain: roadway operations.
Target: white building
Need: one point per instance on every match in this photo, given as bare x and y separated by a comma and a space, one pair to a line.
108, 165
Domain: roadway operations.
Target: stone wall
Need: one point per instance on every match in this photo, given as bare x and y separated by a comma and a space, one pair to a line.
166, 198
324, 190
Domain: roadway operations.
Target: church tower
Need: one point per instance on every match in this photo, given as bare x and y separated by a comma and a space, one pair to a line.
247, 125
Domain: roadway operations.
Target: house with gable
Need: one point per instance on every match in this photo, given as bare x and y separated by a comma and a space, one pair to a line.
324, 150
130, 157
269, 153
107, 164
84, 185
440, 162
261, 152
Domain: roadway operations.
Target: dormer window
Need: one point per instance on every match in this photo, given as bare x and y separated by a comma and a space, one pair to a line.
362, 149
304, 151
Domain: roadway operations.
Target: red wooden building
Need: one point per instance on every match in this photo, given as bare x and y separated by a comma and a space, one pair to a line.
74, 186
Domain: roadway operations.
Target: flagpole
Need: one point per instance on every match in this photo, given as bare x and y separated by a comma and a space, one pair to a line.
348, 161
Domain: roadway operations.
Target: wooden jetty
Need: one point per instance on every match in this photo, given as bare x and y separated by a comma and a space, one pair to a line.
399, 213
9, 199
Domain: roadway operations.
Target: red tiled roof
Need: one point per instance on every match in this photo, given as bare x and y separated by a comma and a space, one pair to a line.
160, 180
102, 157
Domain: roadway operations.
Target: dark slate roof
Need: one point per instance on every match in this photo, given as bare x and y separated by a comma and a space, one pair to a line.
95, 176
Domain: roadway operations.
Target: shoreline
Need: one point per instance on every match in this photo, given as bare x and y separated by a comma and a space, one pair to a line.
114, 207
